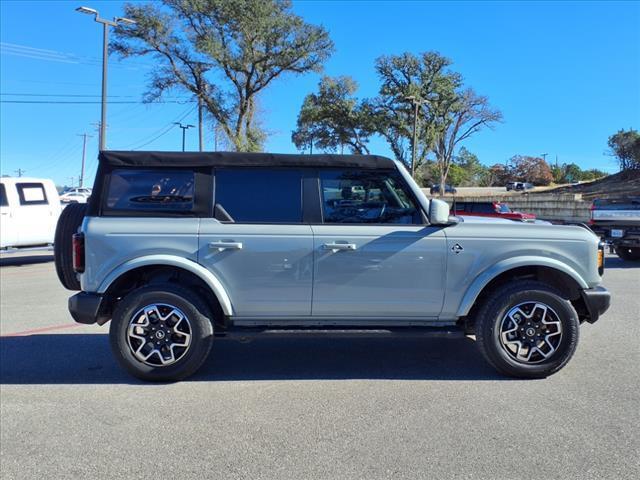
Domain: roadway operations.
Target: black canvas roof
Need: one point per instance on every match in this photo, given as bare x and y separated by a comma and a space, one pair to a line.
116, 158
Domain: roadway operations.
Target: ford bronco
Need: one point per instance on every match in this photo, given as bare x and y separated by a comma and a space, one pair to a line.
176, 248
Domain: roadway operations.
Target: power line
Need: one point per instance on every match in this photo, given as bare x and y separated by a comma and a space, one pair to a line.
86, 102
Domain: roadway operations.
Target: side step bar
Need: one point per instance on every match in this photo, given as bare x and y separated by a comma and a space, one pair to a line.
254, 332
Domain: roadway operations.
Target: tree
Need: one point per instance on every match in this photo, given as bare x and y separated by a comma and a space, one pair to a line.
474, 173
425, 77
625, 146
530, 169
457, 117
224, 53
333, 118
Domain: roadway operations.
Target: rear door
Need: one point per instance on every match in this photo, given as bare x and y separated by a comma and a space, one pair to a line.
33, 214
8, 230
375, 256
257, 244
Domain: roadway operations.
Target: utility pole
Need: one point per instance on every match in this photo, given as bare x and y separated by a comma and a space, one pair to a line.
215, 137
71, 178
84, 152
20, 172
200, 130
544, 156
105, 57
414, 144
184, 131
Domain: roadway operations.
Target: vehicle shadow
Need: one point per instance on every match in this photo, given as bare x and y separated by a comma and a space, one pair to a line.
19, 260
87, 359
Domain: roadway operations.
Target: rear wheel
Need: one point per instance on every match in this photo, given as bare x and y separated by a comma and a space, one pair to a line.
68, 223
161, 332
628, 253
527, 330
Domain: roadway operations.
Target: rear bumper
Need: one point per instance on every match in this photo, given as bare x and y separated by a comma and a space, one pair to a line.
597, 301
88, 308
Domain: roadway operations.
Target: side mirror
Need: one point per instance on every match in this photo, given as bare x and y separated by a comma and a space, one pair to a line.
438, 212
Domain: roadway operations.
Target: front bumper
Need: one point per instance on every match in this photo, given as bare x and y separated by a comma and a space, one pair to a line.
88, 308
597, 301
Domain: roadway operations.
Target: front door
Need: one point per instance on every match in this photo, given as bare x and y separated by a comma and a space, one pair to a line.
375, 256
257, 245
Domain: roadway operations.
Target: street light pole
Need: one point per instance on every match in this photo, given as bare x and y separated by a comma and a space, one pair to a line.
184, 131
105, 57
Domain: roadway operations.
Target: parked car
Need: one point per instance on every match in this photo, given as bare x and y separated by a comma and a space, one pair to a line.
519, 186
282, 244
74, 197
29, 210
447, 189
82, 190
490, 209
617, 222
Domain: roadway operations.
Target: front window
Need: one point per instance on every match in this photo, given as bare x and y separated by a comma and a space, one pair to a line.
360, 196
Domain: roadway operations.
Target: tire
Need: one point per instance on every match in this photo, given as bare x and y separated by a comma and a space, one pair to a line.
498, 335
68, 222
628, 253
186, 361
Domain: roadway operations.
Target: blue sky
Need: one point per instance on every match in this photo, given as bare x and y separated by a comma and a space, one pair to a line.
566, 75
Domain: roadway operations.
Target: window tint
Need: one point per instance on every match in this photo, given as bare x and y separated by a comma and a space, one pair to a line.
259, 195
31, 194
360, 196
151, 190
484, 208
4, 202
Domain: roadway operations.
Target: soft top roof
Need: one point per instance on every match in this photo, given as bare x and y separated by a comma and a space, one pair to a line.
116, 158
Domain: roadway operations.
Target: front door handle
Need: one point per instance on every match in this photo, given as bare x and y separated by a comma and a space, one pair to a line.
334, 247
226, 245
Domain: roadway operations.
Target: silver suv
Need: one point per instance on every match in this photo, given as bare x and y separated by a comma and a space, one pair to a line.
176, 247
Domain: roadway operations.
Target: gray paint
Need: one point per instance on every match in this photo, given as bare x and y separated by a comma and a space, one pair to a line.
284, 273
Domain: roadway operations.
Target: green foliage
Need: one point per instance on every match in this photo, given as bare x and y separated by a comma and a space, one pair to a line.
625, 146
333, 118
428, 79
571, 173
223, 52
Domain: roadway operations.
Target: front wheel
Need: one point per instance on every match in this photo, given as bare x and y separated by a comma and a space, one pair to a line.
527, 330
161, 332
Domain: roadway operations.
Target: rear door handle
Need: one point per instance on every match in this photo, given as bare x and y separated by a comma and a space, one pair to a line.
226, 245
334, 247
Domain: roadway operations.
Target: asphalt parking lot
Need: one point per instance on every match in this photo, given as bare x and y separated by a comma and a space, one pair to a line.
335, 408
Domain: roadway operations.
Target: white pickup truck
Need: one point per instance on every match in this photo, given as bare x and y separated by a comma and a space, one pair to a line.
29, 211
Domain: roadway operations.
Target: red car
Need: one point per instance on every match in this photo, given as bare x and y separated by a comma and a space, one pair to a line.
490, 209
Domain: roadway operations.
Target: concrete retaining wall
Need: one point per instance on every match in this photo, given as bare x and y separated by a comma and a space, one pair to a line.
564, 207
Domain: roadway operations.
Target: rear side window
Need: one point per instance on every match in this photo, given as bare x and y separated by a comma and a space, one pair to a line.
150, 191
31, 194
258, 195
360, 196
4, 202
484, 208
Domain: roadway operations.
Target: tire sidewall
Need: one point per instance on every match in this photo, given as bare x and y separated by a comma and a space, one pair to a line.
570, 332
201, 333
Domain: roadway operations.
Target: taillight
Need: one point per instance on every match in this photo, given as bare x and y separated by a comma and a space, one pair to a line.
78, 252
